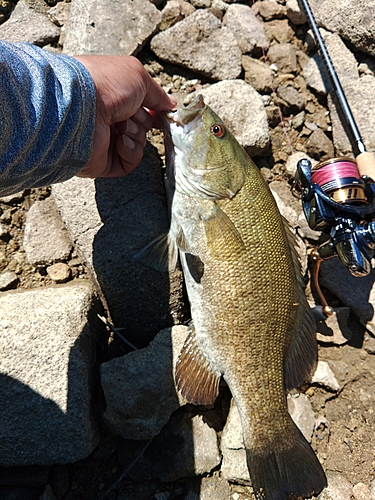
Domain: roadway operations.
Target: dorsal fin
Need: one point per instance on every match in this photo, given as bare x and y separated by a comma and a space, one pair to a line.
194, 377
302, 353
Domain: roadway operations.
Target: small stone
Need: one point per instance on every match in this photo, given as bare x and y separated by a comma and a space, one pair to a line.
271, 10
339, 488
284, 56
12, 198
3, 230
298, 120
246, 28
60, 272
8, 279
369, 345
324, 376
361, 492
302, 414
291, 95
257, 74
319, 146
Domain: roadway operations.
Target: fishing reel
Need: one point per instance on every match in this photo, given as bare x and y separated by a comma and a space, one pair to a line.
341, 203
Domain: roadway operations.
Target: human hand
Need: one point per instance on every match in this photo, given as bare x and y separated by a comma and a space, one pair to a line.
123, 90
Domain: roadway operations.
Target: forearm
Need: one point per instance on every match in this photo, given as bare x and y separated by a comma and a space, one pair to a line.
47, 116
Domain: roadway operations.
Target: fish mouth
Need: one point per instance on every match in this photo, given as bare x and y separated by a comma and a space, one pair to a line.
176, 124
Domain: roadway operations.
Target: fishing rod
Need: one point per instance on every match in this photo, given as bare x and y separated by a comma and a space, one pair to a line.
365, 160
338, 195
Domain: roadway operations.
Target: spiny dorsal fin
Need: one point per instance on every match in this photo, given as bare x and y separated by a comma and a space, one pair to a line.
160, 254
302, 354
221, 233
194, 377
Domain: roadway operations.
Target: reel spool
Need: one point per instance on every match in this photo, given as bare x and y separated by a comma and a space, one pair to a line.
340, 180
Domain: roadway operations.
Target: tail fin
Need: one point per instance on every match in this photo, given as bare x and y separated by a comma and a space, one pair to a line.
292, 472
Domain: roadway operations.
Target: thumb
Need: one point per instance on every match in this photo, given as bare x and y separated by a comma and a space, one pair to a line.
156, 98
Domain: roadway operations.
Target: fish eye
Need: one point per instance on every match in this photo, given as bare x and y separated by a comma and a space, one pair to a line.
218, 130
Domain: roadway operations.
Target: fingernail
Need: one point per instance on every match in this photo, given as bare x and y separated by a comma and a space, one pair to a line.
129, 143
132, 127
141, 115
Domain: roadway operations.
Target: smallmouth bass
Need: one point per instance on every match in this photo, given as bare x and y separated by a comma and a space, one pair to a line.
251, 321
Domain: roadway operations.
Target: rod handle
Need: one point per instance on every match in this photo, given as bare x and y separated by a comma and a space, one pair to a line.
366, 164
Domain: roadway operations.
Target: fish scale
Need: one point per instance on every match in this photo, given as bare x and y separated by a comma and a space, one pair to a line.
251, 322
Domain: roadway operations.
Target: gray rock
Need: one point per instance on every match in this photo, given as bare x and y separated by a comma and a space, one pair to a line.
315, 75
334, 329
3, 230
234, 467
293, 159
48, 370
284, 56
111, 220
257, 74
289, 94
119, 27
45, 238
339, 488
243, 111
141, 399
358, 294
352, 20
372, 489
299, 120
246, 28
319, 146
302, 414
48, 494
201, 44
185, 447
8, 279
12, 198
295, 13
29, 26
369, 345
209, 488
271, 10
324, 376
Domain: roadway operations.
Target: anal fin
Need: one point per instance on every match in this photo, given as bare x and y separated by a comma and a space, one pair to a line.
194, 377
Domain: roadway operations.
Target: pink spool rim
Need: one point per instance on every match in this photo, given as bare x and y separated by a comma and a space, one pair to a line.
328, 174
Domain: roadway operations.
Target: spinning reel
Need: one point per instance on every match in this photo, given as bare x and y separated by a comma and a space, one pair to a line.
341, 203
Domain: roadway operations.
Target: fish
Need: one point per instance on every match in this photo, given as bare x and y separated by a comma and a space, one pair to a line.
251, 323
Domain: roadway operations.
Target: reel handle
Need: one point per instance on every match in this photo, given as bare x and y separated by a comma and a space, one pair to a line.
366, 164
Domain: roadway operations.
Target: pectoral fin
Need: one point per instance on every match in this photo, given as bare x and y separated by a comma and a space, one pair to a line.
160, 254
222, 235
195, 378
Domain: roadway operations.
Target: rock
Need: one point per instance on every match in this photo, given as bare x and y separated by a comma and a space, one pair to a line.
48, 369
319, 146
12, 198
111, 220
324, 376
302, 414
271, 10
234, 467
200, 43
357, 294
140, 401
291, 163
352, 20
3, 230
295, 13
174, 11
372, 489
242, 109
59, 14
185, 447
284, 56
334, 329
209, 488
257, 74
48, 494
361, 492
60, 272
369, 345
8, 279
29, 26
315, 75
279, 30
291, 96
246, 28
119, 27
299, 120
45, 238
339, 488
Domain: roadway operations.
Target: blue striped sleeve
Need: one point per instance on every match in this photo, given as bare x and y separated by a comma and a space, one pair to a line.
47, 115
